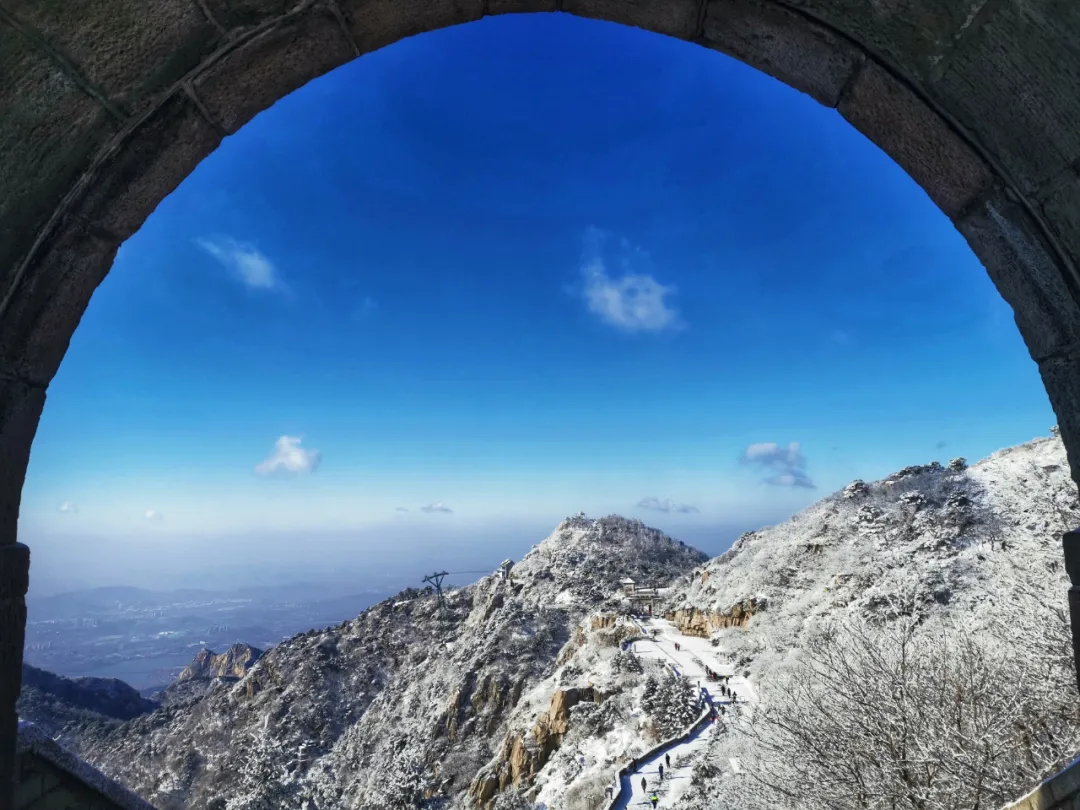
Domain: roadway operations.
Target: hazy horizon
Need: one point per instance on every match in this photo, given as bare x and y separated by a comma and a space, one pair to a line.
367, 558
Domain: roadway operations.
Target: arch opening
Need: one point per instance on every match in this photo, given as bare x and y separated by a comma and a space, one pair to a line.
111, 109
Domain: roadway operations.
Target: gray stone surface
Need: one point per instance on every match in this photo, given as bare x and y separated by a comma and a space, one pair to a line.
1026, 273
129, 49
677, 18
936, 157
272, 65
159, 155
1061, 207
1013, 85
377, 23
14, 578
785, 45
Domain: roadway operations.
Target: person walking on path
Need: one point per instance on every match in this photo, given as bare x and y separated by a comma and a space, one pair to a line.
654, 799
661, 773
643, 784
667, 759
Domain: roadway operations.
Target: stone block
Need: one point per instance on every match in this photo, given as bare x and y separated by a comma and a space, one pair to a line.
50, 301
1061, 376
520, 6
676, 18
271, 65
1026, 273
1013, 84
152, 161
377, 23
129, 49
240, 14
49, 132
913, 35
20, 409
917, 138
14, 571
783, 44
1061, 207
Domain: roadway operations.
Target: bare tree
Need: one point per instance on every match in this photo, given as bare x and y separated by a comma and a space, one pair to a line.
915, 715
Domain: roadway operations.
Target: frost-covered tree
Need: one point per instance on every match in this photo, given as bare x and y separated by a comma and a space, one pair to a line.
510, 799
262, 777
671, 702
402, 784
624, 661
934, 715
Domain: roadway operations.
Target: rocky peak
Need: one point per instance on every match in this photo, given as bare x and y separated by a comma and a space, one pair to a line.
233, 663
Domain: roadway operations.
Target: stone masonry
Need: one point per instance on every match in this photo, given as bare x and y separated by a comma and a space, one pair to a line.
107, 105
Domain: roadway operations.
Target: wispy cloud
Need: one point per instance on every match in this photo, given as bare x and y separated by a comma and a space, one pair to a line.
666, 505
250, 266
401, 509
632, 302
438, 506
67, 508
785, 466
289, 457
153, 515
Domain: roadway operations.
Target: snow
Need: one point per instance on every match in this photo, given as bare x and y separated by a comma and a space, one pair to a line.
381, 690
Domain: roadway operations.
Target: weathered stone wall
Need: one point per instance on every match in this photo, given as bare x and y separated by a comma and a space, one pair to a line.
108, 105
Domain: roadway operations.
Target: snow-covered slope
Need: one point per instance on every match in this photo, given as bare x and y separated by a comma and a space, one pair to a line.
932, 536
526, 685
396, 704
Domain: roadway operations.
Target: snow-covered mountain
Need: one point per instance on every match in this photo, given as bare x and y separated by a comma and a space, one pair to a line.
525, 688
932, 537
362, 714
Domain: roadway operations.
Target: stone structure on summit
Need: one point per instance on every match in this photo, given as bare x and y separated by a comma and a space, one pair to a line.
107, 107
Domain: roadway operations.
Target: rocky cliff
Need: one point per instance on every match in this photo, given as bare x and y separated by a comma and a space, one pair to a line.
233, 663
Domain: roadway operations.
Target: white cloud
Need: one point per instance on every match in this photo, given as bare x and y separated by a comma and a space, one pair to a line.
666, 505
786, 465
633, 302
289, 457
401, 509
245, 261
154, 515
67, 508
438, 506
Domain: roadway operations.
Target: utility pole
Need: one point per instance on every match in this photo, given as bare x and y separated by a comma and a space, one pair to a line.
436, 580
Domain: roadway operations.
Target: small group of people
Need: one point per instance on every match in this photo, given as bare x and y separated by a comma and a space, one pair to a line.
660, 778
728, 692
678, 646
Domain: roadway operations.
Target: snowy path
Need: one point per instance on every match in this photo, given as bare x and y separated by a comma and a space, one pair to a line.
690, 661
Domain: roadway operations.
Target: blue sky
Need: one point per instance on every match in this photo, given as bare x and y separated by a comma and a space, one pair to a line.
518, 268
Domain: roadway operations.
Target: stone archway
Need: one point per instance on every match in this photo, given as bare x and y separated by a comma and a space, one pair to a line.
108, 105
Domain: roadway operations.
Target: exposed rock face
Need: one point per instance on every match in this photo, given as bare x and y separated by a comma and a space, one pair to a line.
523, 755
233, 663
694, 622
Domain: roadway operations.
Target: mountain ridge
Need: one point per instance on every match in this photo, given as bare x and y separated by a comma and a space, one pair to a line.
524, 687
